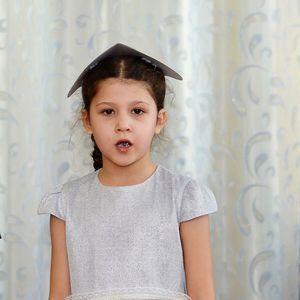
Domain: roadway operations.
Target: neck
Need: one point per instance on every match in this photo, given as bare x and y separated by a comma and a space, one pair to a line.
115, 175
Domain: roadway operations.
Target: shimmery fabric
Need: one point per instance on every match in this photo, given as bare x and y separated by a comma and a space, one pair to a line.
126, 238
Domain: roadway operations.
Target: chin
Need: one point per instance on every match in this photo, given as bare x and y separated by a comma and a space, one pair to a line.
121, 163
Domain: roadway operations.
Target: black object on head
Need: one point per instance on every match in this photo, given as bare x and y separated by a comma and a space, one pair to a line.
122, 50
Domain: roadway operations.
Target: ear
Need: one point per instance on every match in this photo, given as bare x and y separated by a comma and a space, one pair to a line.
162, 118
86, 121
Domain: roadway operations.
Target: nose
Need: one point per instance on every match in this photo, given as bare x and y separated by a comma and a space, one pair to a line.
123, 123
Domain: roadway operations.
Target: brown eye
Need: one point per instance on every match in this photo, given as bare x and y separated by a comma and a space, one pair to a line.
106, 111
138, 111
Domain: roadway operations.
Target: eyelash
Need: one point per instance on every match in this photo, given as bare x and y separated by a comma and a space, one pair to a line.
109, 109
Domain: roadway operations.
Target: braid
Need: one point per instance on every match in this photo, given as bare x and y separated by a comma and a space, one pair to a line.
97, 155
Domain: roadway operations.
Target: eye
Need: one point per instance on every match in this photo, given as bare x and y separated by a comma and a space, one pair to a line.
138, 111
106, 111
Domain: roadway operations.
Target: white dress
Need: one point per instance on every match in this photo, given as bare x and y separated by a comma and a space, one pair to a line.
123, 242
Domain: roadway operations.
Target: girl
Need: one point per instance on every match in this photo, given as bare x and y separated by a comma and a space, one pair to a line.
130, 229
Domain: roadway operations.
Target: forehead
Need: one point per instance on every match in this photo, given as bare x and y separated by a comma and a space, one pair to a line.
116, 89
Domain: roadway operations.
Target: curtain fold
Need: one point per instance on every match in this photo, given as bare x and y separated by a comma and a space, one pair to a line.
234, 124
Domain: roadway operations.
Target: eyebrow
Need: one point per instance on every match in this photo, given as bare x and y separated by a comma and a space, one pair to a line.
109, 103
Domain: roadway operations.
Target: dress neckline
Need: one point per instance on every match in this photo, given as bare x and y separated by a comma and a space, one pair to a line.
125, 187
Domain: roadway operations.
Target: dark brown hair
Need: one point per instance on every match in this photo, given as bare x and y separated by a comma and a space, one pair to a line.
124, 67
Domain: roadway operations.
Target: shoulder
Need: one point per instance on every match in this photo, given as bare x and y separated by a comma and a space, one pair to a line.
71, 187
171, 177
187, 181
194, 197
56, 201
76, 183
184, 184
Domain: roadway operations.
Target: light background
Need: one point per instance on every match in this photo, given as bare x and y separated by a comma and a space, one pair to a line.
234, 124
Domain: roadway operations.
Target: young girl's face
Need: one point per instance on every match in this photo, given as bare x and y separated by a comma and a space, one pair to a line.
123, 109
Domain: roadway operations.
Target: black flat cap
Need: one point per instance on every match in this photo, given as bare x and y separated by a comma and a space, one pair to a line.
121, 49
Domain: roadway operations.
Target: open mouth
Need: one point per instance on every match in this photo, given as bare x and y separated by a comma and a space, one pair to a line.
124, 144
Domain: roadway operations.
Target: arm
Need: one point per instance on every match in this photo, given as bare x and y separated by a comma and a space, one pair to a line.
195, 239
59, 274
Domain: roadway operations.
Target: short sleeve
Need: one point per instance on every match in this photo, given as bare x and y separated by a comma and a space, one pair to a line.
197, 200
53, 203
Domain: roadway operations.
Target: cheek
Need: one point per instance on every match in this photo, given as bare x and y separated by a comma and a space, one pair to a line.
147, 133
102, 133
103, 141
98, 124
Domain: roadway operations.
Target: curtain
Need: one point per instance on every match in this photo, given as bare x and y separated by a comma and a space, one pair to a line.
256, 149
233, 124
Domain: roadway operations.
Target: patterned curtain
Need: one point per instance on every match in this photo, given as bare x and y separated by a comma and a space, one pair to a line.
234, 124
